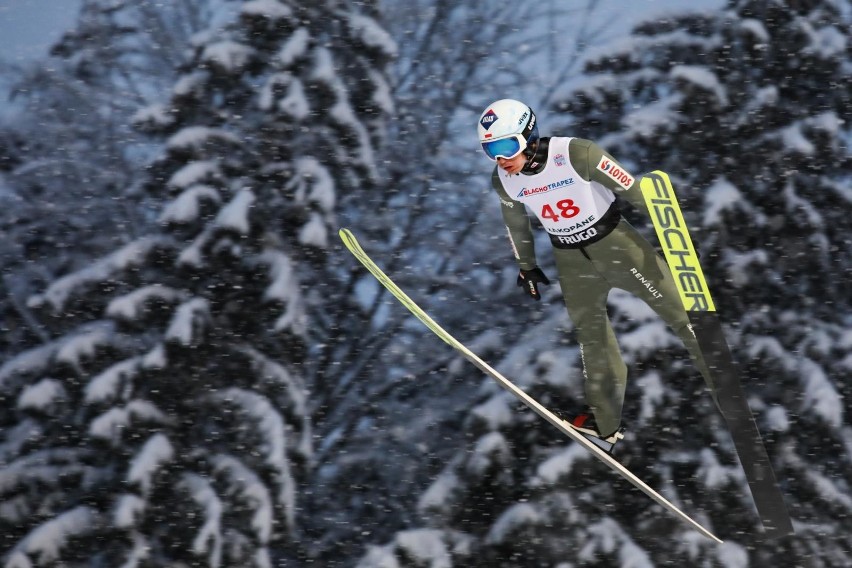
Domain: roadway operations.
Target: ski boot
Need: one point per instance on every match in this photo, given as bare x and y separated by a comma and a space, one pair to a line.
584, 423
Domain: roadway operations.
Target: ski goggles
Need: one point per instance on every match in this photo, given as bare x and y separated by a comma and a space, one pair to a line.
508, 147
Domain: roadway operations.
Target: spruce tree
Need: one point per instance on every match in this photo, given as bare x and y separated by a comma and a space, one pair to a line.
166, 422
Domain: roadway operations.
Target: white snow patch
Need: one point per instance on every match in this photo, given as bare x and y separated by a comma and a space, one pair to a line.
651, 119
425, 547
828, 490
313, 183
372, 34
720, 197
156, 452
755, 28
209, 538
189, 319
84, 344
294, 48
157, 115
559, 465
271, 9
130, 255
229, 55
273, 431
195, 173
32, 361
495, 413
314, 232
114, 421
732, 555
820, 395
490, 448
826, 42
195, 138
189, 83
41, 395
284, 287
703, 78
253, 492
517, 516
437, 497
653, 390
235, 215
713, 474
48, 539
128, 510
741, 267
379, 557
129, 306
777, 419
795, 141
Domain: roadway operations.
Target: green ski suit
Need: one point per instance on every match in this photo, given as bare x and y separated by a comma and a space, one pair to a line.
595, 251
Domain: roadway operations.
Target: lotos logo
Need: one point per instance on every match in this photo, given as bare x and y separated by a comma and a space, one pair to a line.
488, 119
614, 171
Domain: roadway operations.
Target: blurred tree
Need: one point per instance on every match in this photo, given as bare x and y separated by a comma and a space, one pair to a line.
166, 421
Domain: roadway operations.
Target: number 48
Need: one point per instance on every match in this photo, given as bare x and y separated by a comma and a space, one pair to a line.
566, 208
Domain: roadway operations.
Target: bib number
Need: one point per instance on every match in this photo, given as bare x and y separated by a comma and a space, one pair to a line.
565, 209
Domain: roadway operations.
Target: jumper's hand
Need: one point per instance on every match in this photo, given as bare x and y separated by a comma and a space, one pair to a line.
529, 281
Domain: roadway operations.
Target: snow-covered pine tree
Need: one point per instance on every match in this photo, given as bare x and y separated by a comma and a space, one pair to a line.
166, 421
67, 139
748, 110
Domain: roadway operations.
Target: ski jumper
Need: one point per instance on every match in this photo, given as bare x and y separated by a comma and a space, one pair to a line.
595, 250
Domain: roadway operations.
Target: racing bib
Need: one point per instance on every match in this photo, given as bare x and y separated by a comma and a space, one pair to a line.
567, 205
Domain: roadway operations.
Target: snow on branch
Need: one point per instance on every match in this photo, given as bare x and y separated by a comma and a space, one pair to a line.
559, 465
209, 538
129, 256
156, 452
608, 537
129, 508
491, 450
186, 207
46, 541
372, 35
284, 288
229, 56
195, 173
515, 517
189, 320
193, 138
129, 306
113, 422
293, 49
273, 431
84, 345
703, 78
41, 395
313, 184
30, 362
104, 386
820, 394
294, 389
271, 9
252, 491
341, 112
235, 215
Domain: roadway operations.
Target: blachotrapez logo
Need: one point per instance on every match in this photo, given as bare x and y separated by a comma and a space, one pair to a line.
488, 119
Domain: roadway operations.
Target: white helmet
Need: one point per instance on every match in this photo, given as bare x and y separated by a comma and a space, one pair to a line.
506, 128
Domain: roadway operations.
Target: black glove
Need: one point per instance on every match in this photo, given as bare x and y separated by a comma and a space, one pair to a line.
530, 279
